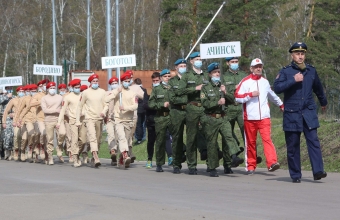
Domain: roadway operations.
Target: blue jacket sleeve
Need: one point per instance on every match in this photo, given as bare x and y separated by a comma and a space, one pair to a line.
282, 82
318, 90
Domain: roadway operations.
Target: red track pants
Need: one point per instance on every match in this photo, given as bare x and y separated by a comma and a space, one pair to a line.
250, 129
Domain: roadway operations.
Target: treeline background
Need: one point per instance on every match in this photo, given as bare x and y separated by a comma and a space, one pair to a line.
161, 31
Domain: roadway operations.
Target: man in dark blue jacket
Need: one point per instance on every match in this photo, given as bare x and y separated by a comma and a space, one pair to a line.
298, 81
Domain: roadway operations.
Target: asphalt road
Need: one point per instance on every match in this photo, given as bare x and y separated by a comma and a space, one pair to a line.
38, 191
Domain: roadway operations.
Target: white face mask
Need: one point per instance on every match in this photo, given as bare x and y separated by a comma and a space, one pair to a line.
114, 86
51, 91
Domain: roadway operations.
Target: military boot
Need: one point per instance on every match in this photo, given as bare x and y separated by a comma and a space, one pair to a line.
42, 152
23, 156
126, 159
29, 154
7, 154
10, 155
50, 159
85, 157
131, 155
71, 158
113, 158
76, 161
16, 154
96, 159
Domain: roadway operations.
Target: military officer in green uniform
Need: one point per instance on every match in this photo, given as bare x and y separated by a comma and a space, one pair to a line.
231, 78
177, 115
159, 100
190, 85
214, 97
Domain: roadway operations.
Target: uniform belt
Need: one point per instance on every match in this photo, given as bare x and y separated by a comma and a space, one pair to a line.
236, 103
162, 114
217, 115
198, 104
179, 107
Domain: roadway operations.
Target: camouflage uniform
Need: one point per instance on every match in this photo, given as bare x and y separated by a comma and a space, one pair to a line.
3, 102
194, 110
158, 97
214, 122
177, 120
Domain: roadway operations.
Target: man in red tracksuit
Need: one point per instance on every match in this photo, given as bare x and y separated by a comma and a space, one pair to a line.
254, 91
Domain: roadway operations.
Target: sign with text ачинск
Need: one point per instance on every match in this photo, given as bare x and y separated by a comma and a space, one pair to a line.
11, 81
220, 50
118, 61
48, 70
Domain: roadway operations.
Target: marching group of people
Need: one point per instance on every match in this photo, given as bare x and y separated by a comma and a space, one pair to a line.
204, 103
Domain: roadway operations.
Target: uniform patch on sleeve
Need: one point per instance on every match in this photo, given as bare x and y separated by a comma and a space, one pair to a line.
202, 96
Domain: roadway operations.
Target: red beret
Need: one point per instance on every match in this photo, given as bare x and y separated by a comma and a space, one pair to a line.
129, 72
33, 87
75, 82
48, 85
28, 87
125, 76
92, 77
20, 88
45, 81
113, 79
40, 83
83, 87
62, 86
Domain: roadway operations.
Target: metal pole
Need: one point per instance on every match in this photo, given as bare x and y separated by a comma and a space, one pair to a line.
88, 35
117, 47
54, 42
65, 72
108, 36
205, 30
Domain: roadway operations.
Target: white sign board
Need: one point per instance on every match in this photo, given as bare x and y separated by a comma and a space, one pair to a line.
83, 76
220, 50
118, 61
47, 70
11, 81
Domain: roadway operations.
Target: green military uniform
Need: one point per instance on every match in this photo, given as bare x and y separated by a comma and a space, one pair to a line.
234, 111
195, 111
177, 120
214, 122
160, 95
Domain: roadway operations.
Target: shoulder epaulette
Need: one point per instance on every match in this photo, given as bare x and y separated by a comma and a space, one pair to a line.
287, 66
310, 65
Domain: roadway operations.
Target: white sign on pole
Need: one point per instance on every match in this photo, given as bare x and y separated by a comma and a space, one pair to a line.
118, 61
50, 70
11, 81
219, 50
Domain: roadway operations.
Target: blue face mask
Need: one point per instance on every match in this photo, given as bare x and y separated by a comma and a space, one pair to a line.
70, 89
33, 93
182, 70
131, 81
9, 91
94, 86
198, 64
126, 84
215, 79
234, 66
62, 93
114, 86
164, 83
76, 90
21, 94
155, 84
28, 93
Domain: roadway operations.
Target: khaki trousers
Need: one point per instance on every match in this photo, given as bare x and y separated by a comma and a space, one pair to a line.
133, 129
68, 136
111, 135
60, 133
16, 137
42, 132
78, 138
94, 133
28, 135
123, 131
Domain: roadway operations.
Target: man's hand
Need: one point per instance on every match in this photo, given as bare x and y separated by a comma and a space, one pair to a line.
222, 88
166, 104
298, 77
199, 87
11, 115
323, 108
119, 88
255, 94
221, 101
282, 108
57, 127
102, 115
9, 95
4, 126
121, 108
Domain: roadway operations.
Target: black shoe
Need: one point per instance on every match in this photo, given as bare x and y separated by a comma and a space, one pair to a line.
319, 175
133, 158
258, 160
204, 155
236, 161
213, 173
298, 180
228, 170
159, 168
274, 167
176, 170
192, 171
208, 169
220, 154
184, 157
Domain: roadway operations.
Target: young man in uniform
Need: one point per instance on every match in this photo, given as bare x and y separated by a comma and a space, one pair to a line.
78, 134
254, 91
159, 100
214, 98
5, 97
92, 100
51, 106
123, 116
190, 85
298, 81
62, 88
